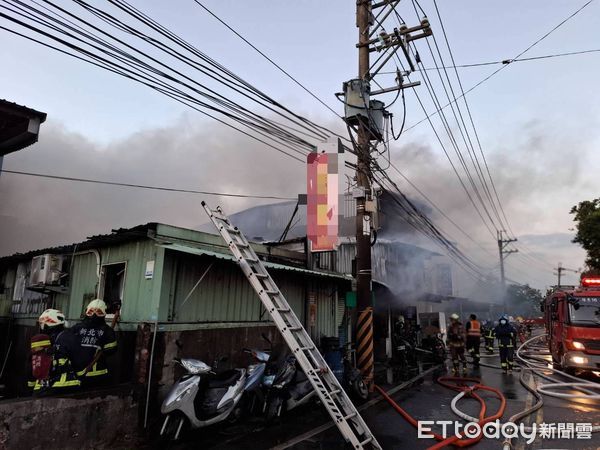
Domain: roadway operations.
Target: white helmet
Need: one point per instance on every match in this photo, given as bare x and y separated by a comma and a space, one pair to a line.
454, 316
51, 318
97, 307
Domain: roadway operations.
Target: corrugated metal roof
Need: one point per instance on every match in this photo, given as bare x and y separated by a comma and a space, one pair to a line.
270, 265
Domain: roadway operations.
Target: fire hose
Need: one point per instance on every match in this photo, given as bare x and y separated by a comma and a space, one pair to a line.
589, 390
457, 384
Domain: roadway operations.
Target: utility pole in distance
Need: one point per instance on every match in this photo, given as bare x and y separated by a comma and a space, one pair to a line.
559, 271
502, 243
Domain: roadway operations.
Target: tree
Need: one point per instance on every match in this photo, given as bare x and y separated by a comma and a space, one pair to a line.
523, 300
587, 218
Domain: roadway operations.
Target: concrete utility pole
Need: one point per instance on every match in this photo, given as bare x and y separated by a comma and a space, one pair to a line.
502, 243
364, 328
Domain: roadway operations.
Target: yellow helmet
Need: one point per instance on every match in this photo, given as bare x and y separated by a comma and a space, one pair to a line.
97, 307
454, 316
51, 318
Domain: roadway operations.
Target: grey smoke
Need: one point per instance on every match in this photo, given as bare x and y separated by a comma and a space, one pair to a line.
538, 180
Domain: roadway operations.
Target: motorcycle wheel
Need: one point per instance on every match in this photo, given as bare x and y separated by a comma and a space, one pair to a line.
274, 409
175, 428
360, 389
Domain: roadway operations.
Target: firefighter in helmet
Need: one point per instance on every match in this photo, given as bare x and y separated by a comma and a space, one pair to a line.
96, 341
456, 341
51, 352
473, 328
488, 336
507, 341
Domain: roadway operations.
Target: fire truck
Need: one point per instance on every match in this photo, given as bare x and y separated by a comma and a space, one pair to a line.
572, 317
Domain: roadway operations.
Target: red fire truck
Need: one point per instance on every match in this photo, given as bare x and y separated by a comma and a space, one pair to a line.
572, 316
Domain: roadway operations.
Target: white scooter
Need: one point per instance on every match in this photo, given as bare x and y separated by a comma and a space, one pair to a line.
201, 397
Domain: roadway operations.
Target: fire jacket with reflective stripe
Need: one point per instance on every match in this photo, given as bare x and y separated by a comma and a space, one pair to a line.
506, 335
473, 328
456, 335
62, 345
94, 336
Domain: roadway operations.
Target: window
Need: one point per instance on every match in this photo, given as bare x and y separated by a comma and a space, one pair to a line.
112, 285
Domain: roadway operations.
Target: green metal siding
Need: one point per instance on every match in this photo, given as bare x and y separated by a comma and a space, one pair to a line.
224, 295
137, 296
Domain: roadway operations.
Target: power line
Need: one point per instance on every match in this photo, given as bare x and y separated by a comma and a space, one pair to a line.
509, 61
478, 166
148, 78
144, 186
516, 57
312, 94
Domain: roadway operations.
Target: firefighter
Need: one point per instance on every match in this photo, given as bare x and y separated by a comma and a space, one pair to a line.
488, 336
507, 340
51, 353
456, 341
96, 341
473, 328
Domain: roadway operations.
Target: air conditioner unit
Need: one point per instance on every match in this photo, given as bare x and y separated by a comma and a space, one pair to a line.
45, 269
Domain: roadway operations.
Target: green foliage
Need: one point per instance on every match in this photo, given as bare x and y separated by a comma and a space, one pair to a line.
587, 217
523, 300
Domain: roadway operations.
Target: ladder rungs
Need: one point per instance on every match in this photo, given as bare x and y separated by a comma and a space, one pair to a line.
261, 275
270, 292
284, 310
350, 416
311, 347
335, 392
366, 441
294, 328
240, 244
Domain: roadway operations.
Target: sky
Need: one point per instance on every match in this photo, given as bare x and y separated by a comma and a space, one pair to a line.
537, 122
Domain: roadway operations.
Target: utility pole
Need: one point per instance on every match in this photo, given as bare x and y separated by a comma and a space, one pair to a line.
559, 271
502, 243
364, 328
366, 117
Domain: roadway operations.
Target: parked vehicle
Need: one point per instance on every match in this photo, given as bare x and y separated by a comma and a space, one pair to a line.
353, 381
572, 316
202, 397
286, 387
254, 398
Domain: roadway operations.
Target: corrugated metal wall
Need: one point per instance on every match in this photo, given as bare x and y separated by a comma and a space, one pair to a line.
137, 294
224, 295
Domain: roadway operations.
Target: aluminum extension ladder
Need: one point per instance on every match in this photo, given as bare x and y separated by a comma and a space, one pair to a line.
332, 395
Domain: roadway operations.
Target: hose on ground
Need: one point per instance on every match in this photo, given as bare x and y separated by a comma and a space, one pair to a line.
589, 391
458, 384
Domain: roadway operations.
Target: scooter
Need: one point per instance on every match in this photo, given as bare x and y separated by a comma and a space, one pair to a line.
253, 393
353, 381
202, 397
286, 389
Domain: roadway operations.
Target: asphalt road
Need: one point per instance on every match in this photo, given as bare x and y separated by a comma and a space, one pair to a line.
425, 401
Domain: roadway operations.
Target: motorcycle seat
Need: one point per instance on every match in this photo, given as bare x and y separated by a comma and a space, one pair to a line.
224, 379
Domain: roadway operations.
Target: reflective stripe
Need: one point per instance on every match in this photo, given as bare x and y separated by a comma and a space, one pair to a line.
93, 372
96, 373
41, 344
62, 382
475, 329
31, 384
110, 345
